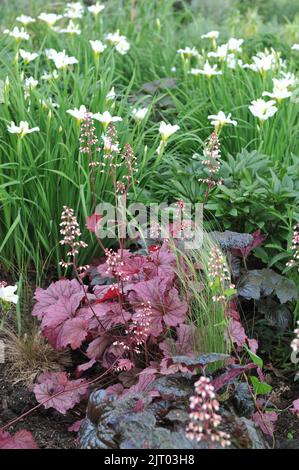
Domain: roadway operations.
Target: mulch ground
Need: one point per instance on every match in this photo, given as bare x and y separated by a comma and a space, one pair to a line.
48, 427
287, 425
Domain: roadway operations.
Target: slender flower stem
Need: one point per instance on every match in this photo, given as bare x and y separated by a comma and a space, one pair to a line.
19, 418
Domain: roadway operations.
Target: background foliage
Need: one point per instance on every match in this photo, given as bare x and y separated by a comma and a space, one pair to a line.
45, 171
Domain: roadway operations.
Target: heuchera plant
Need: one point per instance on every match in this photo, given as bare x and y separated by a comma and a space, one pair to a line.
134, 315
116, 324
125, 314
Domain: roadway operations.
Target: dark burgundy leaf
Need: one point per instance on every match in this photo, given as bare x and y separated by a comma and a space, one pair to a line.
231, 374
258, 239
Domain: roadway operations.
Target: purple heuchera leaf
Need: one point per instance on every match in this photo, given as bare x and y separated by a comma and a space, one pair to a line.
75, 427
167, 308
143, 385
109, 314
295, 408
132, 269
231, 374
21, 440
184, 345
83, 367
238, 336
253, 345
73, 333
104, 292
58, 313
167, 367
57, 321
92, 313
233, 310
51, 383
48, 297
116, 389
237, 333
55, 307
67, 321
161, 263
258, 239
97, 347
265, 421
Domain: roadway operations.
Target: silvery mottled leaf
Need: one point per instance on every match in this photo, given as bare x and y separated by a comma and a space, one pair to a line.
176, 386
201, 360
100, 281
228, 239
242, 400
254, 435
114, 423
177, 415
139, 432
264, 282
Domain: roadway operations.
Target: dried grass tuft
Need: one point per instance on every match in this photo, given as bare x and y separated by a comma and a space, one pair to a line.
29, 355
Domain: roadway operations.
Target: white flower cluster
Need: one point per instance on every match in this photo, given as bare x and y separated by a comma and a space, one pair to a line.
227, 54
7, 293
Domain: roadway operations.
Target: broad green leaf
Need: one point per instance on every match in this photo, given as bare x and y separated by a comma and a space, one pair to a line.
260, 388
255, 358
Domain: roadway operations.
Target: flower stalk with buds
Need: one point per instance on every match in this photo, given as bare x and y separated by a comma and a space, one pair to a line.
204, 416
88, 140
71, 232
211, 164
219, 276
